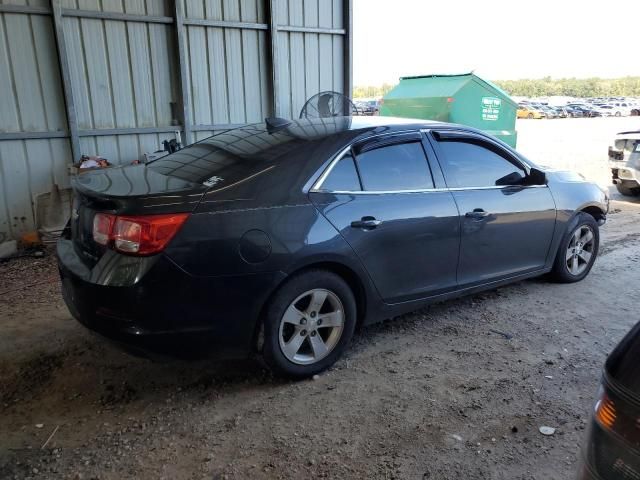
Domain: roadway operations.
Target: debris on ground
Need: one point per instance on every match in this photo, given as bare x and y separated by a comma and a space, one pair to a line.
508, 336
547, 430
8, 249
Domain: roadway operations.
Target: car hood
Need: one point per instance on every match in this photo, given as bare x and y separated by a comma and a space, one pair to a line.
575, 191
565, 176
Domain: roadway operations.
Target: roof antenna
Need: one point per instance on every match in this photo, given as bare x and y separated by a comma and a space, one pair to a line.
275, 124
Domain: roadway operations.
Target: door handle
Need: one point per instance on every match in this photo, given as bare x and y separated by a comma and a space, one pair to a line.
366, 223
477, 214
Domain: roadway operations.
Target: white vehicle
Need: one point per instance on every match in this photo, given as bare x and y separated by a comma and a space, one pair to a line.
605, 110
621, 109
624, 161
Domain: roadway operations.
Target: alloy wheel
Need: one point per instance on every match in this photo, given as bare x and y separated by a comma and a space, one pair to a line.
311, 326
580, 250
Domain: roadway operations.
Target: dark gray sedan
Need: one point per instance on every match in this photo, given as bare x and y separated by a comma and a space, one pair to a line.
280, 238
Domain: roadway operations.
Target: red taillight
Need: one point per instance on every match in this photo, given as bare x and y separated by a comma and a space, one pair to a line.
139, 235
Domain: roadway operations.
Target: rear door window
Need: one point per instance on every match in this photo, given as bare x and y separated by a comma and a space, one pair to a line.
395, 167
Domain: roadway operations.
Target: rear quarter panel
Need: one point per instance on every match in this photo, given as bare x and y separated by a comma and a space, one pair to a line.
290, 237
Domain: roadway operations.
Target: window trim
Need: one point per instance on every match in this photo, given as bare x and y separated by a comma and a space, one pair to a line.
317, 185
460, 136
441, 136
350, 149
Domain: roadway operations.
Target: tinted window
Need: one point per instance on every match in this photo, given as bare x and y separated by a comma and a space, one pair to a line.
343, 177
470, 165
402, 166
238, 154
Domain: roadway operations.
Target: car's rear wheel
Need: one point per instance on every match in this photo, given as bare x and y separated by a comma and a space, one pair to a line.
530, 116
578, 250
309, 323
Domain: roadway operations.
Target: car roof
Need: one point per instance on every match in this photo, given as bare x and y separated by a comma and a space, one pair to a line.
240, 152
361, 123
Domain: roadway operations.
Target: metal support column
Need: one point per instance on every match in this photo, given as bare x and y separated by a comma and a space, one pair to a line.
184, 78
275, 70
56, 8
348, 47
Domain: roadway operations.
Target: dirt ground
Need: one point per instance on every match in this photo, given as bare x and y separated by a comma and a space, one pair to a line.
457, 390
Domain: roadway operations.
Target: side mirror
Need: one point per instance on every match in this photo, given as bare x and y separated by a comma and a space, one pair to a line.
536, 177
514, 178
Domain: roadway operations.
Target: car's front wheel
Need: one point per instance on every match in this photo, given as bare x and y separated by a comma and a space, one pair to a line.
309, 323
578, 250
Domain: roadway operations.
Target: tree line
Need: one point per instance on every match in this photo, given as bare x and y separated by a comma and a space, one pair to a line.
543, 87
573, 87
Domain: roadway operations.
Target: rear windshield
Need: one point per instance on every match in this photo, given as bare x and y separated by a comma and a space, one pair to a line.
227, 158
242, 153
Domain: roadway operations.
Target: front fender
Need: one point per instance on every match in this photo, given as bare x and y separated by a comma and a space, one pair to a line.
573, 195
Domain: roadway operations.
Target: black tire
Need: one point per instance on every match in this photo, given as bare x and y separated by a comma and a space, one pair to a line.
530, 116
624, 189
294, 287
560, 272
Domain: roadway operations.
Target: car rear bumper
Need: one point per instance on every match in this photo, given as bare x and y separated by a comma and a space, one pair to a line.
606, 455
160, 309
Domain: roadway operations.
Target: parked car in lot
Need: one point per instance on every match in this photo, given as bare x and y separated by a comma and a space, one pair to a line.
368, 107
550, 112
574, 112
561, 111
612, 447
281, 238
624, 162
587, 111
621, 109
605, 110
527, 111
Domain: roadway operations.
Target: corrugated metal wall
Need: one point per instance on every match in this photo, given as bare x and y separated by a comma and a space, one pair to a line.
309, 62
31, 100
116, 77
121, 76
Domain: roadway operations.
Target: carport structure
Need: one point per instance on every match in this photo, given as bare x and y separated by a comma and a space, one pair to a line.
116, 77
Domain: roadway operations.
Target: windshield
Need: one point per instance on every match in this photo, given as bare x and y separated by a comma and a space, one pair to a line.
628, 145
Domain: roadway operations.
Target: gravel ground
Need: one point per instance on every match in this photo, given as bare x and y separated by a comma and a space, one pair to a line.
457, 390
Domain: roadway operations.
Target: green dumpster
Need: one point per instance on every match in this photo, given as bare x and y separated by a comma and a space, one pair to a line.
466, 99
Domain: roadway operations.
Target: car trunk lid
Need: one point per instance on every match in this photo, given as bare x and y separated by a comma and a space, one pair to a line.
129, 190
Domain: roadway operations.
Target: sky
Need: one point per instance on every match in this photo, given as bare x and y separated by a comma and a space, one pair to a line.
498, 39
